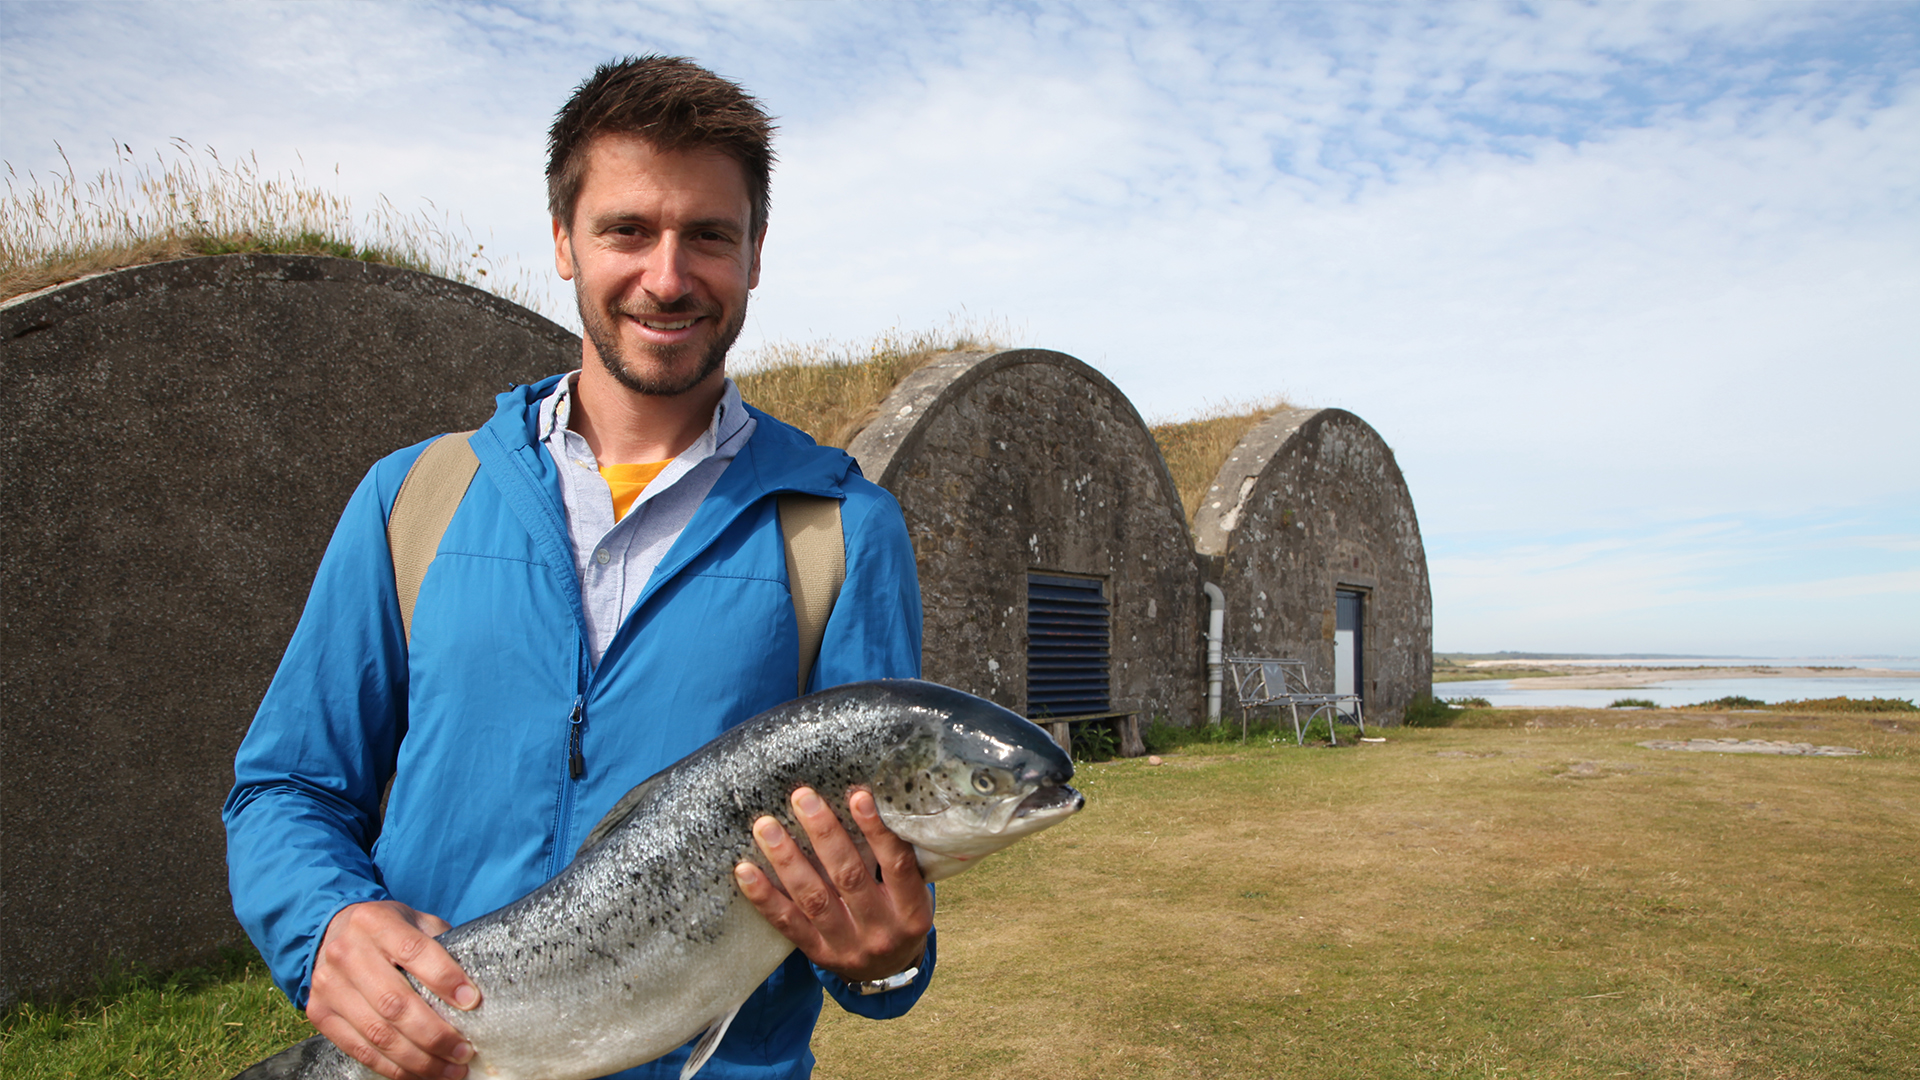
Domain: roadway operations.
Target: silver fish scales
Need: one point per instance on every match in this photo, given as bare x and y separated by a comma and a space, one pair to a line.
644, 941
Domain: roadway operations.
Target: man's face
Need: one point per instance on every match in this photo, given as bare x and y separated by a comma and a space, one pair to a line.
661, 259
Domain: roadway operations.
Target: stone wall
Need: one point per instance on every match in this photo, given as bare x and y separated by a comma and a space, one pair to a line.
1031, 460
181, 439
1308, 503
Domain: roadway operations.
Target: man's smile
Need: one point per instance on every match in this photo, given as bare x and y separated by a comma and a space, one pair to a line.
669, 327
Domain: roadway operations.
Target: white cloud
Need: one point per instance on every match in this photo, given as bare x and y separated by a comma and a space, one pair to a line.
1591, 269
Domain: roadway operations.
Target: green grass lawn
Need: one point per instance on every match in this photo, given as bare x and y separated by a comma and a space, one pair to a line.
1527, 893
209, 1022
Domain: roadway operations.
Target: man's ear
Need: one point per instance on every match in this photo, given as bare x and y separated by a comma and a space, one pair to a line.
563, 250
753, 275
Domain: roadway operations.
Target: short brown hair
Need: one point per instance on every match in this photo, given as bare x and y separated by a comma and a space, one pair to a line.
672, 103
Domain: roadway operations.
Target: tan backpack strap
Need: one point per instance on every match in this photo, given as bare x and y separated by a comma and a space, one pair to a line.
816, 567
421, 511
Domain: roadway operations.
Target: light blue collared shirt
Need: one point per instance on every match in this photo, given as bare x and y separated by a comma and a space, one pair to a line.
615, 559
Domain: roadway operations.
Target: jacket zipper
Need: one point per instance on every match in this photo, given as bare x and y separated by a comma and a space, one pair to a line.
576, 761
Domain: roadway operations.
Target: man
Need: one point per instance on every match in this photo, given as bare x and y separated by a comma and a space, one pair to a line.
610, 595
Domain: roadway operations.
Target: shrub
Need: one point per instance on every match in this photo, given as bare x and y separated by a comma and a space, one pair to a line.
1222, 732
1470, 703
1161, 736
1633, 703
1425, 710
1845, 704
1731, 701
1095, 742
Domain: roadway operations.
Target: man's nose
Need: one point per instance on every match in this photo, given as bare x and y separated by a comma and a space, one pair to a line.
667, 278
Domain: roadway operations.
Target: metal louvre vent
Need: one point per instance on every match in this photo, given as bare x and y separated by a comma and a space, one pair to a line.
1067, 641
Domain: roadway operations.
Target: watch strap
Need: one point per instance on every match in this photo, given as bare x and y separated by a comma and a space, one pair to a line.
868, 987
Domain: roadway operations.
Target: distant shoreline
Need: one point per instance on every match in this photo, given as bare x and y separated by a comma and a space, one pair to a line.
1632, 678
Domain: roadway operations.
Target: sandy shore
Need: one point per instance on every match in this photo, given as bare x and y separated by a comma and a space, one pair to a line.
1630, 678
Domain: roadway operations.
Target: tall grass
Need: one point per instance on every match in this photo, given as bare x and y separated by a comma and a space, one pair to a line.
187, 202
831, 390
1195, 449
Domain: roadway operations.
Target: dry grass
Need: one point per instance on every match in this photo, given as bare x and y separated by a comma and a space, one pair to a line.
60, 228
1195, 449
831, 390
1542, 901
1529, 894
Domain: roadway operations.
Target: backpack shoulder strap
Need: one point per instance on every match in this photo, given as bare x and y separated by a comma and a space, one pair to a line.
421, 511
816, 567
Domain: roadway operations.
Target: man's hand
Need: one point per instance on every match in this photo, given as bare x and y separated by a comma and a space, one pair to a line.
845, 921
364, 1005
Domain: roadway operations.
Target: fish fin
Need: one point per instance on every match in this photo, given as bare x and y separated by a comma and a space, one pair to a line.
937, 867
708, 1043
619, 813
300, 1059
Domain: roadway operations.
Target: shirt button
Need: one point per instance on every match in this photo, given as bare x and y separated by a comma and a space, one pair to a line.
602, 556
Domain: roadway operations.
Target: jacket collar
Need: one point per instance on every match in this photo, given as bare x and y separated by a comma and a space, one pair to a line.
516, 413
778, 458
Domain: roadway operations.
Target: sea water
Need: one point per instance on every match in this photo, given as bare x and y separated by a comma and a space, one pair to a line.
1501, 693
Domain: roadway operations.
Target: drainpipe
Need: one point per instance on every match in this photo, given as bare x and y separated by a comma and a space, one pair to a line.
1216, 633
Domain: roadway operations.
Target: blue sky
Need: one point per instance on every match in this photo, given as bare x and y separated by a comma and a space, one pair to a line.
1633, 290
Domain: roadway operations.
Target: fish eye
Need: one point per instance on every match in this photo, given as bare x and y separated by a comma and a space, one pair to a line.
983, 781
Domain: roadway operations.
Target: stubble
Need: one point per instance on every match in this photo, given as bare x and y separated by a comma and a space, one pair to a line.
664, 378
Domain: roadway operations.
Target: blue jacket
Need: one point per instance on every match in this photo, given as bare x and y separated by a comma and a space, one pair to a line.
472, 722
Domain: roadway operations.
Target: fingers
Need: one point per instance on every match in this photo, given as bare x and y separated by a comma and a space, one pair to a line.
847, 873
362, 1002
899, 866
835, 912
431, 925
808, 903
767, 897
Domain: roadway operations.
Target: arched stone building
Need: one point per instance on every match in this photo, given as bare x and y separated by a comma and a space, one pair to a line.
181, 439
1048, 532
1309, 530
185, 434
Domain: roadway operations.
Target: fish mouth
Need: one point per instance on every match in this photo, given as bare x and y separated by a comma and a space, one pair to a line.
1057, 799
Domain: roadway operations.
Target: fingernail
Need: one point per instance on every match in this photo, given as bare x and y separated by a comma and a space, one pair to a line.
746, 873
466, 997
769, 832
454, 1072
808, 802
463, 1053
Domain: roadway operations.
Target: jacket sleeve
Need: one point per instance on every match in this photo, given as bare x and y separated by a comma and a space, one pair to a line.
874, 633
308, 779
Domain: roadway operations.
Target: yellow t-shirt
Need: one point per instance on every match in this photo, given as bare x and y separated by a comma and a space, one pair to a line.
628, 481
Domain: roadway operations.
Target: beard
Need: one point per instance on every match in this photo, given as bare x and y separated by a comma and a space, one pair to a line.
664, 380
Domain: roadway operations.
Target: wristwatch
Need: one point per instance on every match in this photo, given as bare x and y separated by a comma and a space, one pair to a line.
891, 982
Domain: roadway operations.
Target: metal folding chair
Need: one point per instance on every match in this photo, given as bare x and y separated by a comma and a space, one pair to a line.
1262, 680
